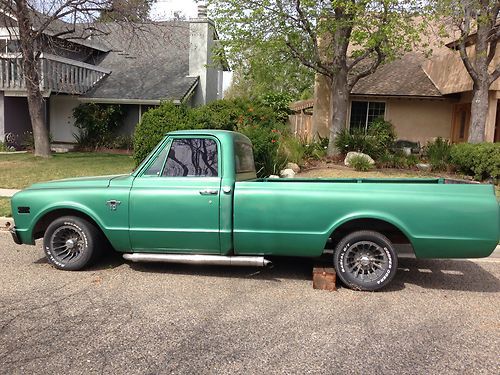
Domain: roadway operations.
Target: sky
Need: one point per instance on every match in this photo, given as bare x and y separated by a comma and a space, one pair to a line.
165, 8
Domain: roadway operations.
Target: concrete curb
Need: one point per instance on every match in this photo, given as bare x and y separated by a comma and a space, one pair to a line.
6, 223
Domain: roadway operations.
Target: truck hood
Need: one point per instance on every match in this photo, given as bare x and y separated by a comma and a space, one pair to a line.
80, 182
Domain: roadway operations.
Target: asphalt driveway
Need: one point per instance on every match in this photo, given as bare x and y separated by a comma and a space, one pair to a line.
437, 317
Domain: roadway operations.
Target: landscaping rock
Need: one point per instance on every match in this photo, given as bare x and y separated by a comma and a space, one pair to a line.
274, 176
350, 155
293, 166
287, 173
424, 166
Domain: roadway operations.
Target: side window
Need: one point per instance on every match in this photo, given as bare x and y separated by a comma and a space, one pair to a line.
155, 168
192, 157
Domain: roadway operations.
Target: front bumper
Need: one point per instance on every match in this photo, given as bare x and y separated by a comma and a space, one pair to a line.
14, 235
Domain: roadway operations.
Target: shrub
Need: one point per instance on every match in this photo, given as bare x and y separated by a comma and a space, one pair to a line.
155, 123
96, 123
398, 160
258, 122
381, 136
354, 140
279, 103
5, 148
480, 160
438, 154
360, 163
376, 142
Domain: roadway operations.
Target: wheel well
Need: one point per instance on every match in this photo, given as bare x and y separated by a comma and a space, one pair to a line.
393, 233
44, 221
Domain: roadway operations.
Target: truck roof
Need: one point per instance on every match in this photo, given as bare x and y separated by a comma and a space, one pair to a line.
214, 132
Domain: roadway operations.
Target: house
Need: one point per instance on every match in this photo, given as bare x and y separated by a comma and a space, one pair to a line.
135, 65
423, 98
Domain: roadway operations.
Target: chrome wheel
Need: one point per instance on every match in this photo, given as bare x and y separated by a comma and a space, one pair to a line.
366, 261
67, 243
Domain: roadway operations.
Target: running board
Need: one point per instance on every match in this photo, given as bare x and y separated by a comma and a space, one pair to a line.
218, 260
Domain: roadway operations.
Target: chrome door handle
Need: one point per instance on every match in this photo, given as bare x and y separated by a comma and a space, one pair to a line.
209, 192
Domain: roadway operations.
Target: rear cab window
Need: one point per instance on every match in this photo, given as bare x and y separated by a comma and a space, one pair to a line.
243, 159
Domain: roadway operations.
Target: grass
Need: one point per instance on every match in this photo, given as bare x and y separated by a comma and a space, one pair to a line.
21, 170
5, 206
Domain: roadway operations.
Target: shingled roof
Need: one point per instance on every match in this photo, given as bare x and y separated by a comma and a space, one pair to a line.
148, 64
402, 77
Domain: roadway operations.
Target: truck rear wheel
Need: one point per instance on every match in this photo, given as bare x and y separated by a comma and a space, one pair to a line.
365, 260
71, 243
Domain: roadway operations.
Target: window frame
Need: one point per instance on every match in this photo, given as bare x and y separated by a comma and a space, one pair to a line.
168, 145
367, 111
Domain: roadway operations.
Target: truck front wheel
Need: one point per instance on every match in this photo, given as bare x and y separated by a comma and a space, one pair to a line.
71, 243
365, 260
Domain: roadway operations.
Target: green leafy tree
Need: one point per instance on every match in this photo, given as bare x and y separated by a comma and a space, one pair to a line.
268, 68
477, 22
344, 40
127, 10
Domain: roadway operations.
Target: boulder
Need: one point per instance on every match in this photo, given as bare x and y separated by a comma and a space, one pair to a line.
293, 166
350, 155
274, 176
424, 166
287, 173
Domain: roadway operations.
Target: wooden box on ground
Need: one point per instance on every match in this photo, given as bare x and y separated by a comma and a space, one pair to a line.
324, 278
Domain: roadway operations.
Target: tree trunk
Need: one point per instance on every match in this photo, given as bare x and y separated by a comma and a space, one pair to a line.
479, 112
32, 80
339, 102
321, 118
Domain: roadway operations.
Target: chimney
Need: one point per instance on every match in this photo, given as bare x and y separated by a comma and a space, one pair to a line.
202, 11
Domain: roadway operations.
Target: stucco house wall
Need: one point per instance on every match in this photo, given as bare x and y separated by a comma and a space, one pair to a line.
420, 120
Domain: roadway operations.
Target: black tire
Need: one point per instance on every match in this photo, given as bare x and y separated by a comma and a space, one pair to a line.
365, 260
72, 243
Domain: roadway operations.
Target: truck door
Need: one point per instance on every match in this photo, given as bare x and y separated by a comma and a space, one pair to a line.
174, 202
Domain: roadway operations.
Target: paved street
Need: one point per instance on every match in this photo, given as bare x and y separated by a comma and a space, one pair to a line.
437, 317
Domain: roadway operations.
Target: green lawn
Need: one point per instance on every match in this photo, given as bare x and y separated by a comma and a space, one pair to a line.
18, 171
5, 206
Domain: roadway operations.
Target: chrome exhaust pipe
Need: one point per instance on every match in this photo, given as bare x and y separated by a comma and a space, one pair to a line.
217, 260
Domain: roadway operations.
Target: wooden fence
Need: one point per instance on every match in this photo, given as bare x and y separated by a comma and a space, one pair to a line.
301, 125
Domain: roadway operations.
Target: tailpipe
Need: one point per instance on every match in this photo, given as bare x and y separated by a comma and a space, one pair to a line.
216, 260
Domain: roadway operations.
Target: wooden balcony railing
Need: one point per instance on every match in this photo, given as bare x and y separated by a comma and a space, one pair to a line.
57, 74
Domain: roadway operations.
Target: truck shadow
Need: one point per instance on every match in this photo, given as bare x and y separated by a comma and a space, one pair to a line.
458, 275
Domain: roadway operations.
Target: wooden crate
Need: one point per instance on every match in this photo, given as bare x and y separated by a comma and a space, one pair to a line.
324, 278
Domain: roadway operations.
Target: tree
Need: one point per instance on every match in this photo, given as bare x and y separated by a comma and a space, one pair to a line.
356, 37
264, 69
63, 19
127, 10
478, 24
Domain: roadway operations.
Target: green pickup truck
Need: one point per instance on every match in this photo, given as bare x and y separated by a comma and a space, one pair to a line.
196, 199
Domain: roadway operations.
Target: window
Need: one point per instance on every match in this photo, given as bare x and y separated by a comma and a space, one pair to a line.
192, 157
243, 157
363, 113
9, 46
155, 168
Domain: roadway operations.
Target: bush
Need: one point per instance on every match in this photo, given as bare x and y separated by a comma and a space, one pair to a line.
279, 103
354, 140
438, 154
398, 160
96, 124
376, 142
480, 160
155, 123
360, 163
258, 122
382, 136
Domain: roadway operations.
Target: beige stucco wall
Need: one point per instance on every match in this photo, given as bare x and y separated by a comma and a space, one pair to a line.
420, 119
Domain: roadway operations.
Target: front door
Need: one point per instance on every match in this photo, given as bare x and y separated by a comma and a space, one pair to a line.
174, 203
461, 121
